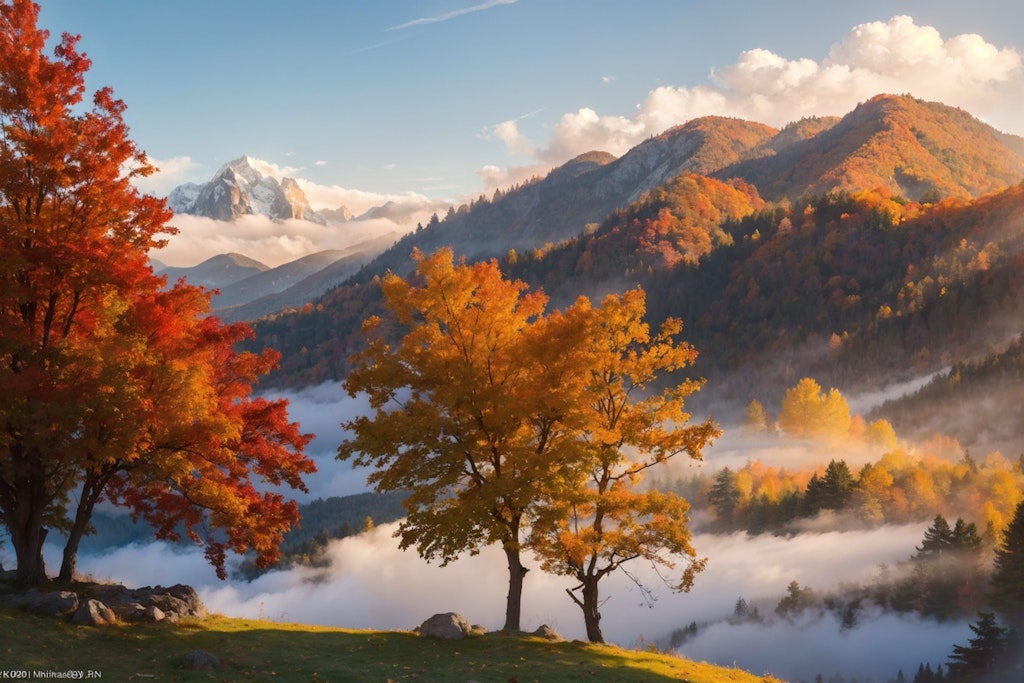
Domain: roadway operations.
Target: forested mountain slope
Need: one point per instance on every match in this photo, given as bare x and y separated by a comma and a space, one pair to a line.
849, 278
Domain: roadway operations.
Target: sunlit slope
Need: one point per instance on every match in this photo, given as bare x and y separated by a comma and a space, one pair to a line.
906, 146
261, 650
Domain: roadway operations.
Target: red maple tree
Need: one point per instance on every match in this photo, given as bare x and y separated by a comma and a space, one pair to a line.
113, 385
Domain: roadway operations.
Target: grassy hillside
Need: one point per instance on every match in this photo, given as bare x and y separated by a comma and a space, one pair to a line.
253, 650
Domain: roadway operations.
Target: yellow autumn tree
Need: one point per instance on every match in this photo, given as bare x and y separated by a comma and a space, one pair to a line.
807, 412
458, 416
601, 518
497, 418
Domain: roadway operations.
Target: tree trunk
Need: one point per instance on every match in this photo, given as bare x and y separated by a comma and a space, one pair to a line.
24, 518
591, 610
91, 490
28, 549
514, 606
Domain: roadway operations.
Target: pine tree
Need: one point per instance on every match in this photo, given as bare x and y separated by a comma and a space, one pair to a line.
938, 538
1007, 589
984, 651
724, 496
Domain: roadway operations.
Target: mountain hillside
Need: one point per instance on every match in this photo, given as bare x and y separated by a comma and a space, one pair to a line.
909, 147
580, 193
274, 280
853, 285
302, 291
218, 271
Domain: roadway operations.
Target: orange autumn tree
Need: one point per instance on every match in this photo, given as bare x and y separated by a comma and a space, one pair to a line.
112, 387
598, 518
463, 418
495, 417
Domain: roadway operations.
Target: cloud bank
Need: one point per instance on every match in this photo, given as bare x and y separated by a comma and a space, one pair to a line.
371, 584
268, 241
896, 56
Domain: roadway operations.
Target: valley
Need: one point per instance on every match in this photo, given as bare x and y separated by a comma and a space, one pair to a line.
869, 251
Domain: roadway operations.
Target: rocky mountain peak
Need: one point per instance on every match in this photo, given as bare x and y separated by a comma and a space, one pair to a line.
245, 186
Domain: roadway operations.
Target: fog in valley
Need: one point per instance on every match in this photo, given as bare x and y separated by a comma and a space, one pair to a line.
370, 583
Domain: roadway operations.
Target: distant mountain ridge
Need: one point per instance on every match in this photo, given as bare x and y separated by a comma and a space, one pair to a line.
245, 186
215, 272
599, 223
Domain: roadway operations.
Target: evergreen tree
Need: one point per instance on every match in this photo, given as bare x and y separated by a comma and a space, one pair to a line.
1007, 589
837, 486
724, 496
938, 539
965, 539
984, 652
946, 569
832, 491
796, 601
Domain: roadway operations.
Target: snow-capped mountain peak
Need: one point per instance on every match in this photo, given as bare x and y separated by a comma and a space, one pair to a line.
244, 186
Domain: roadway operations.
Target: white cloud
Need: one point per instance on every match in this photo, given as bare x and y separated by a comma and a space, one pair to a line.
453, 14
270, 242
356, 201
495, 177
896, 56
516, 143
171, 173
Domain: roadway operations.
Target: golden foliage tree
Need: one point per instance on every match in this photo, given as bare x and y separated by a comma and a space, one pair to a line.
602, 519
459, 412
809, 412
494, 416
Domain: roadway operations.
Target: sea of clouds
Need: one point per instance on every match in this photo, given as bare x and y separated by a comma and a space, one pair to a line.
369, 583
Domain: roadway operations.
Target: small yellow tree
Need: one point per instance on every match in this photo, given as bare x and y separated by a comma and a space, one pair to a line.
601, 519
808, 412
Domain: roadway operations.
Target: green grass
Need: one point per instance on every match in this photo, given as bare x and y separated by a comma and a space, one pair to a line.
253, 650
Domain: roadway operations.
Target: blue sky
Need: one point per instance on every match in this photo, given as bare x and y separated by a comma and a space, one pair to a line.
447, 99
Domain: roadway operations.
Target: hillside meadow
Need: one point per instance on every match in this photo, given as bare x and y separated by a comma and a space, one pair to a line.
255, 650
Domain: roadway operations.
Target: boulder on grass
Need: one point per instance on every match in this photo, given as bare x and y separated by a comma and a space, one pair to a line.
545, 631
93, 613
447, 626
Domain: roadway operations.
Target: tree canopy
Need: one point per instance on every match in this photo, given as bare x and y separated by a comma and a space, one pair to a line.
495, 415
808, 412
462, 418
113, 386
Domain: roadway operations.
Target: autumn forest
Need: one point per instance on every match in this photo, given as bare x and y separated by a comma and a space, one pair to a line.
731, 333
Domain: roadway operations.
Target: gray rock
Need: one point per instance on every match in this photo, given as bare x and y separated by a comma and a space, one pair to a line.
137, 604
200, 660
168, 604
153, 614
545, 631
446, 626
48, 604
188, 595
126, 611
93, 613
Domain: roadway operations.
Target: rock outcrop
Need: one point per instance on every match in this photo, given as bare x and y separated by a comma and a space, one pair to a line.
446, 626
108, 604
